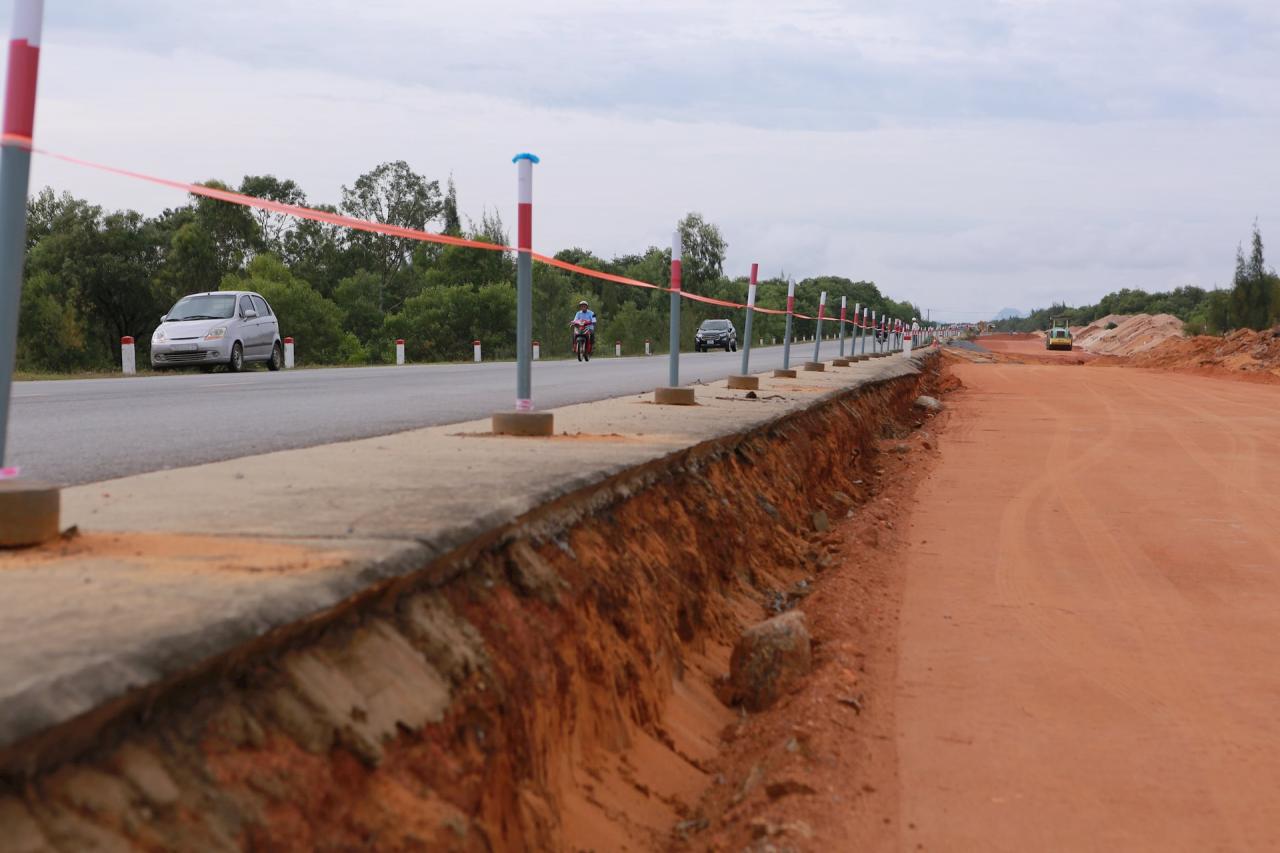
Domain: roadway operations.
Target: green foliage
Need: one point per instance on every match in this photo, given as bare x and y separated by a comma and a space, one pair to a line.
1253, 304
351, 351
357, 297
392, 194
345, 296
703, 251
440, 323
315, 322
1253, 301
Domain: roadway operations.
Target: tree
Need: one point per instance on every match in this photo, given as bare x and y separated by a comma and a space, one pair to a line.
319, 253
231, 228
303, 314
702, 258
273, 227
357, 297
1252, 291
452, 220
392, 194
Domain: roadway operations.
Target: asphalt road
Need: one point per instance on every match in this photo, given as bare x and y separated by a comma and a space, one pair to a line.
83, 431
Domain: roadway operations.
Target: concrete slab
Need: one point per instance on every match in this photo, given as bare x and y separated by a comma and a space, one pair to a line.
175, 568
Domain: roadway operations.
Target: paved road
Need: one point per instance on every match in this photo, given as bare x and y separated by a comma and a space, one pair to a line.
81, 431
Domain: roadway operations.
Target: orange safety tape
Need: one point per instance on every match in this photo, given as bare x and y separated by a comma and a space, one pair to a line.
301, 212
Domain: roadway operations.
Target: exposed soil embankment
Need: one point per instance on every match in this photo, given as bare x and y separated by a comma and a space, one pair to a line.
1243, 354
557, 692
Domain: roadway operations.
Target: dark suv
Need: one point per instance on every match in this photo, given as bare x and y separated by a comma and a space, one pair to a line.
716, 333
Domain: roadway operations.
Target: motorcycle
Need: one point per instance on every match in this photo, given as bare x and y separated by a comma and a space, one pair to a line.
583, 339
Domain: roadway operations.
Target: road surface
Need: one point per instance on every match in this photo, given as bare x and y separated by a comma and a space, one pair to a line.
81, 431
1090, 631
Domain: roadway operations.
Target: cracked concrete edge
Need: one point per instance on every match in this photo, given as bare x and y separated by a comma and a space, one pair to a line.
46, 723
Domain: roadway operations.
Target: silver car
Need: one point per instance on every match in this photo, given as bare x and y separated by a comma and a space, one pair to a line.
231, 327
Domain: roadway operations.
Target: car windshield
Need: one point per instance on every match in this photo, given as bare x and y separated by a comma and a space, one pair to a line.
210, 306
715, 325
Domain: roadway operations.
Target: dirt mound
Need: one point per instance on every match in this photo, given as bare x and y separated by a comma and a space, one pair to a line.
1242, 351
1131, 335
1082, 334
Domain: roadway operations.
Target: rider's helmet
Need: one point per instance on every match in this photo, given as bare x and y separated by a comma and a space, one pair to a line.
582, 304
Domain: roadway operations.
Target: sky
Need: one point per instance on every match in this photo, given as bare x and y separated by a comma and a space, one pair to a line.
967, 156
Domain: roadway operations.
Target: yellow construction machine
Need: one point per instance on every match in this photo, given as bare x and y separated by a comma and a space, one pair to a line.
1059, 334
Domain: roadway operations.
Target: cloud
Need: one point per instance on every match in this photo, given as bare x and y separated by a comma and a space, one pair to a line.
966, 156
802, 65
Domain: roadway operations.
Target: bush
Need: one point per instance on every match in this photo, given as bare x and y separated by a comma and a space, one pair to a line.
303, 313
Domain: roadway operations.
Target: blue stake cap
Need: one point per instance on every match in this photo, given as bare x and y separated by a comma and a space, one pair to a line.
525, 156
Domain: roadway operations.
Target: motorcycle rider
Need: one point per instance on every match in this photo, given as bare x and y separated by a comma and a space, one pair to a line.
585, 313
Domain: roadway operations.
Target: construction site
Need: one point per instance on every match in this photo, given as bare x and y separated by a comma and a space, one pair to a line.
353, 522
900, 603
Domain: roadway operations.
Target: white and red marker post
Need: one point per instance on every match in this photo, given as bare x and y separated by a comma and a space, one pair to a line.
524, 282
844, 314
15, 176
751, 311
786, 330
288, 354
537, 351
399, 350
128, 356
475, 352
673, 363
817, 332
617, 349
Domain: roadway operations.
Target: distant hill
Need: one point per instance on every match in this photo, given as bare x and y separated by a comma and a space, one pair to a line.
1008, 314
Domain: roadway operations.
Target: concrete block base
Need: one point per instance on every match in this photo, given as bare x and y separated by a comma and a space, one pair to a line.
784, 374
524, 423
815, 366
744, 383
841, 362
29, 513
674, 397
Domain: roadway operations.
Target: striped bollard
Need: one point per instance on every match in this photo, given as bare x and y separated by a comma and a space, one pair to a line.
524, 420
29, 510
673, 394
617, 349
744, 381
817, 365
475, 351
128, 356
399, 350
288, 353
537, 351
786, 372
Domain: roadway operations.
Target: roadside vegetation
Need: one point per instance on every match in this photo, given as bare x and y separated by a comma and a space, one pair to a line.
1252, 302
94, 276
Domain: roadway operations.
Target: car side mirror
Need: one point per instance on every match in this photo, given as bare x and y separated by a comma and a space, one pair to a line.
250, 314
164, 318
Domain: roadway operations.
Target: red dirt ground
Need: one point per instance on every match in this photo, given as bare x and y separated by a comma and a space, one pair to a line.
1083, 582
1088, 643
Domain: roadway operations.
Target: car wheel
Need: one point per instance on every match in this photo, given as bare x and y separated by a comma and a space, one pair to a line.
733, 348
277, 357
236, 364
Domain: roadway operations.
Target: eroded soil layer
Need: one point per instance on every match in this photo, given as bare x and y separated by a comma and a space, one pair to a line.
556, 691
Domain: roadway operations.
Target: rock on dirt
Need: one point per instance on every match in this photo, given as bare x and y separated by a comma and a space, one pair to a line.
769, 658
930, 403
